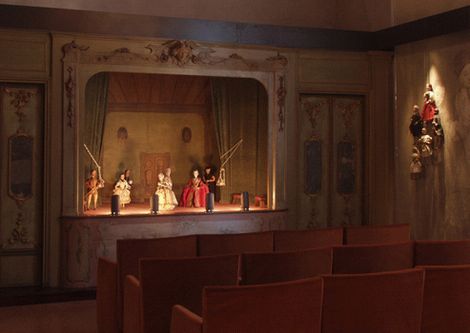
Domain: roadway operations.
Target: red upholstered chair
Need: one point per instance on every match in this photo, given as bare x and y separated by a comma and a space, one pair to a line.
293, 306
106, 296
354, 259
111, 275
446, 305
442, 252
372, 303
372, 234
259, 268
162, 283
214, 245
293, 240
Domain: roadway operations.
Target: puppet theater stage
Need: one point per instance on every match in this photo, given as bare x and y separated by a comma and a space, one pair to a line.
154, 108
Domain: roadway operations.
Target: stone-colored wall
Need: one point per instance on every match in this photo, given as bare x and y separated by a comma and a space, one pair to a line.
437, 205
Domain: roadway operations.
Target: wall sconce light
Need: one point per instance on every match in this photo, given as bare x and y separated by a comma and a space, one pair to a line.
154, 204
209, 202
115, 205
245, 201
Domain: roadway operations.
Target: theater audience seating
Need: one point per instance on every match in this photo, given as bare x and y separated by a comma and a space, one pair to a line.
266, 258
259, 268
442, 252
373, 303
351, 259
213, 245
293, 240
106, 296
161, 283
371, 234
271, 308
446, 302
111, 275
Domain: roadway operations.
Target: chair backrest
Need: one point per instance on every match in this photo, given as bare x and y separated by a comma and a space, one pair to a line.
129, 251
293, 306
259, 268
353, 259
166, 282
377, 234
371, 303
446, 304
294, 240
221, 244
442, 252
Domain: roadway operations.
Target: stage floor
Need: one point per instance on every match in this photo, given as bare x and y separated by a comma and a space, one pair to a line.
144, 209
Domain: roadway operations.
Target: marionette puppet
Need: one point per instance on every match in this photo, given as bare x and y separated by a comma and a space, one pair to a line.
416, 167
416, 123
123, 189
425, 143
194, 193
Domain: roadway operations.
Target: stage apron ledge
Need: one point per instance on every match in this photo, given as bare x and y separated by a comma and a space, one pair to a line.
86, 238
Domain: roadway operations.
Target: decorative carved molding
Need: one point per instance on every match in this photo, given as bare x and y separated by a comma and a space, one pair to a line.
19, 234
281, 101
179, 52
348, 211
313, 223
122, 54
278, 60
348, 112
176, 52
72, 48
20, 98
313, 109
69, 86
182, 53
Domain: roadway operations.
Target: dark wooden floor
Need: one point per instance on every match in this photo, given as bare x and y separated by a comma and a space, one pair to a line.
69, 317
36, 295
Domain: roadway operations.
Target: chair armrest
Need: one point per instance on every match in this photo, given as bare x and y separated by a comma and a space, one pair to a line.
106, 296
132, 306
185, 321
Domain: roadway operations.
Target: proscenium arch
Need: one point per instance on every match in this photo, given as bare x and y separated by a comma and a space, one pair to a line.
144, 90
83, 69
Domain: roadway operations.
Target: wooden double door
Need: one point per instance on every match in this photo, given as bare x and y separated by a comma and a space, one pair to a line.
332, 172
151, 165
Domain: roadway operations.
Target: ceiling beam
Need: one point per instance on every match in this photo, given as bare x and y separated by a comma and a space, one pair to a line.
80, 21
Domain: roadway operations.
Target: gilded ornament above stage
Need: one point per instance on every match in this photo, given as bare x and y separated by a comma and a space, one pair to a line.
176, 52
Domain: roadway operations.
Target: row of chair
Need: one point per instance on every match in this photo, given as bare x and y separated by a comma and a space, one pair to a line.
111, 275
209, 298
430, 299
257, 268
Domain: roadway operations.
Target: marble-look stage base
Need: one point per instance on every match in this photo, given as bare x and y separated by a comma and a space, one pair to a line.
85, 238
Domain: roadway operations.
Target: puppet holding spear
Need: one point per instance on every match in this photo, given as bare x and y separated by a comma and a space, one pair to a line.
93, 183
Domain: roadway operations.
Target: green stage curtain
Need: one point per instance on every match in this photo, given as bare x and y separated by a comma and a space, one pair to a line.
240, 110
96, 104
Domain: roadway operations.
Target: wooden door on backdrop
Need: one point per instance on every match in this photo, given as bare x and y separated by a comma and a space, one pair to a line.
332, 172
151, 164
21, 180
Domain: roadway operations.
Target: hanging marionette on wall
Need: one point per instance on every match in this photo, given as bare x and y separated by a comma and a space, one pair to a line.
428, 134
425, 144
438, 131
429, 107
416, 124
416, 167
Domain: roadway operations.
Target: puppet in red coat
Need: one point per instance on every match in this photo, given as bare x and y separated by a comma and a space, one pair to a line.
429, 108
